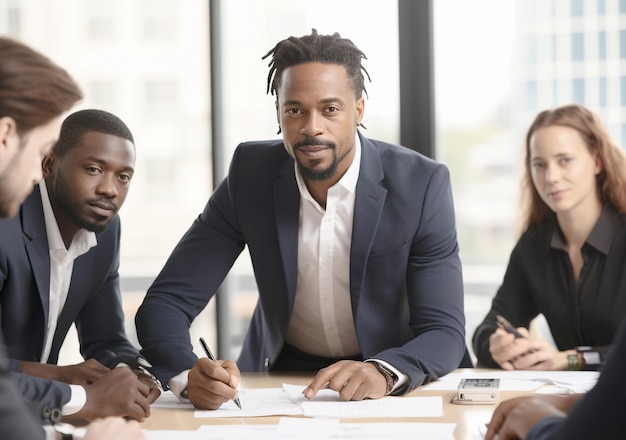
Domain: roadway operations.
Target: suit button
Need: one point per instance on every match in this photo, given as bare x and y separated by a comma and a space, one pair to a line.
267, 362
46, 412
55, 415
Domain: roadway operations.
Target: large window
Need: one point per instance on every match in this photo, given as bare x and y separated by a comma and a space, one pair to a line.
497, 64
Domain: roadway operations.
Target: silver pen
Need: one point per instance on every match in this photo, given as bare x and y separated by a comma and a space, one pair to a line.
209, 354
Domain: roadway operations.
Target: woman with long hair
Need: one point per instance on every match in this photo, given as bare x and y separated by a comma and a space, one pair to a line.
569, 263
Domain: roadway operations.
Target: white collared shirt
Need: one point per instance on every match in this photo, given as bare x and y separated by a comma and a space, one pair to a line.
322, 323
61, 266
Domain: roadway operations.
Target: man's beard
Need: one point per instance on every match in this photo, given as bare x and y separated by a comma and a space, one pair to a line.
319, 175
62, 197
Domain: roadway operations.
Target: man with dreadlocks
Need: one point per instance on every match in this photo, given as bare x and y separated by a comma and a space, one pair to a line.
352, 241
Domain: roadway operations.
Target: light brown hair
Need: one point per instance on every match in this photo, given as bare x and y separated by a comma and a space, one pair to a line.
33, 89
611, 180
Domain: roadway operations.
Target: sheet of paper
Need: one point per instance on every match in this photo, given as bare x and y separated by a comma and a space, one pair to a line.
294, 392
521, 380
290, 428
255, 402
289, 400
327, 403
387, 407
167, 399
171, 434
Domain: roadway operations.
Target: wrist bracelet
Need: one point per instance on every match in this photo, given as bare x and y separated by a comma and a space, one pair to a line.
573, 362
590, 359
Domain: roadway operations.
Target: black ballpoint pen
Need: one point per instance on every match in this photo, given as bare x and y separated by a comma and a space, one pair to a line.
506, 325
209, 354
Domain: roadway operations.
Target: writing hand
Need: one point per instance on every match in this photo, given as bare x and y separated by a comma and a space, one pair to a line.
117, 393
505, 347
354, 380
77, 374
212, 383
525, 353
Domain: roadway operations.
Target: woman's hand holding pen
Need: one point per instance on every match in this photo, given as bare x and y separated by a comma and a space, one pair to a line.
212, 383
506, 348
524, 353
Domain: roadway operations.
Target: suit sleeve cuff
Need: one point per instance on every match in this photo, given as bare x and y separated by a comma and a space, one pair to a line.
402, 378
77, 400
178, 384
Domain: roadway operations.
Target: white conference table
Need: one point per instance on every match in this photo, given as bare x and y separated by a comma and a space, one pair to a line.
468, 418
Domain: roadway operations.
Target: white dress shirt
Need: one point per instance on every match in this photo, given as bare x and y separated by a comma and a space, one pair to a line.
61, 267
322, 322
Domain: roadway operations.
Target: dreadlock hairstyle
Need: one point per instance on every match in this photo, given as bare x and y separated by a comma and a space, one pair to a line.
611, 180
330, 49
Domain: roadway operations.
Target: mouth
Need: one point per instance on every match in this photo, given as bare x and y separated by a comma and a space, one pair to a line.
312, 151
556, 193
103, 209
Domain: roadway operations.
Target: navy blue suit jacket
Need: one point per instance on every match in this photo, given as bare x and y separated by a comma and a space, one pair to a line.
93, 301
16, 422
405, 274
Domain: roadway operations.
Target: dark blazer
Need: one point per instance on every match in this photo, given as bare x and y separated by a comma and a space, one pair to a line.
405, 274
16, 422
93, 301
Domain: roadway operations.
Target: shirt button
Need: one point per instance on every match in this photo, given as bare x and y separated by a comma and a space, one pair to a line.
267, 362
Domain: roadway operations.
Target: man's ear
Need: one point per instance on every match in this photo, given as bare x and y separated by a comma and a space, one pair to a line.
8, 129
48, 163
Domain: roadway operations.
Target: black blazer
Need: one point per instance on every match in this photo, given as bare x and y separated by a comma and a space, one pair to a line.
16, 422
405, 274
93, 301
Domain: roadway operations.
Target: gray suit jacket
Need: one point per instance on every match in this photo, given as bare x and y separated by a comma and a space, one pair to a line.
405, 274
16, 422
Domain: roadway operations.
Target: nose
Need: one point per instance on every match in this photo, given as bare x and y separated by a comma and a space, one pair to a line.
107, 185
552, 174
312, 125
37, 173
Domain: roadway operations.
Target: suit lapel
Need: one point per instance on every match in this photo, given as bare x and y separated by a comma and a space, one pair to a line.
368, 207
36, 240
287, 209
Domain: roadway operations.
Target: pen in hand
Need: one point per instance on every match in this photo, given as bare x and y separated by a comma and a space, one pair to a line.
209, 354
506, 325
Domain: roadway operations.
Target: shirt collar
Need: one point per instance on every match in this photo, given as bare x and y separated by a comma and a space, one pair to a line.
350, 177
82, 242
601, 235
